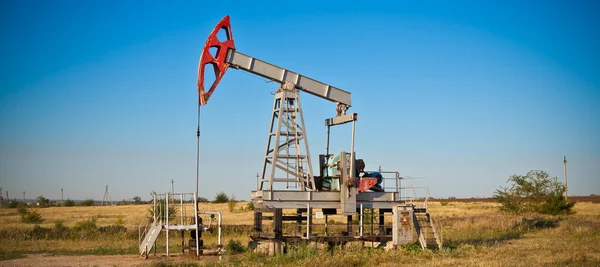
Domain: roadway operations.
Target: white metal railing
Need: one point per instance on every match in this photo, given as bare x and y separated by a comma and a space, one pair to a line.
415, 190
179, 211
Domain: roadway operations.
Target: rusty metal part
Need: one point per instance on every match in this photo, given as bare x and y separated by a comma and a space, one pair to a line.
365, 184
218, 61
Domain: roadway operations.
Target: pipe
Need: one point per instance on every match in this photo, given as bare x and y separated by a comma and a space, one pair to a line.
166, 212
196, 220
352, 153
361, 220
308, 215
327, 144
219, 223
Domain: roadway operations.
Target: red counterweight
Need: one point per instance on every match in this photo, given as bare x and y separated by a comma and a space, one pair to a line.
218, 61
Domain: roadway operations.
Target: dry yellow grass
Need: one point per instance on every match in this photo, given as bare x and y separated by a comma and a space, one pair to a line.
108, 215
475, 234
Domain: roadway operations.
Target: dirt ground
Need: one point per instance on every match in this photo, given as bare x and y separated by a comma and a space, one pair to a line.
96, 260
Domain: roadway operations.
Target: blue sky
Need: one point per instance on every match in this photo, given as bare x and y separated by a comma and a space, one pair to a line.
104, 92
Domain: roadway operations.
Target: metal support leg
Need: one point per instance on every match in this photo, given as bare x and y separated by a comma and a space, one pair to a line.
299, 222
349, 224
278, 224
381, 222
257, 223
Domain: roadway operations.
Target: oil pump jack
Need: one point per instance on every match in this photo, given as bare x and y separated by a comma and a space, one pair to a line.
341, 187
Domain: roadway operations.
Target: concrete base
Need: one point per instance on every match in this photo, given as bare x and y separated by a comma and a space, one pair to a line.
270, 248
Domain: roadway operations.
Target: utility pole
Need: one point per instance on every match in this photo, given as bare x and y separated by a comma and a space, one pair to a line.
23, 196
172, 187
62, 199
107, 197
565, 175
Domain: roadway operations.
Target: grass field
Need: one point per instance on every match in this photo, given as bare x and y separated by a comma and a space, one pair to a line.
474, 233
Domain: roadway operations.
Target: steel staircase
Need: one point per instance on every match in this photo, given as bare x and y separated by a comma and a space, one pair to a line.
428, 237
150, 238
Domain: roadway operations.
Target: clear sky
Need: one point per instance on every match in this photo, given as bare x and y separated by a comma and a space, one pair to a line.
96, 93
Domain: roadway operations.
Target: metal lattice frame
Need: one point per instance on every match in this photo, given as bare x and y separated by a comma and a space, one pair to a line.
287, 138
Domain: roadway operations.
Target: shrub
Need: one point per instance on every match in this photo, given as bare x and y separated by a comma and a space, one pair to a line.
250, 206
120, 221
43, 202
234, 247
221, 197
137, 200
59, 227
87, 202
231, 204
69, 203
535, 192
444, 203
160, 210
22, 209
86, 225
31, 216
12, 204
202, 199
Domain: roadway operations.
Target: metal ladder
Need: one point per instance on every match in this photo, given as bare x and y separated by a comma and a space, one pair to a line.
150, 238
425, 228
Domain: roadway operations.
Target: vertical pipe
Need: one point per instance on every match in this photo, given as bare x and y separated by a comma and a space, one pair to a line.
167, 219
565, 175
182, 209
308, 215
381, 222
372, 215
154, 202
196, 222
197, 156
327, 144
352, 153
326, 225
397, 182
220, 219
361, 221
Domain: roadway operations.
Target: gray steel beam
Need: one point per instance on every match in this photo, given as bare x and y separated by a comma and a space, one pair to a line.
341, 119
281, 75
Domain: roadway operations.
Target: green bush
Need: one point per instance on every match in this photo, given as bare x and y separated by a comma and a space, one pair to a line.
250, 206
87, 202
160, 210
69, 203
43, 202
444, 203
22, 209
234, 247
86, 225
221, 197
32, 217
535, 192
231, 204
119, 221
12, 204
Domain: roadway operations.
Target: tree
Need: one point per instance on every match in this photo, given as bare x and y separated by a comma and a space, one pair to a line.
43, 202
534, 192
137, 200
221, 197
69, 203
202, 199
87, 202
